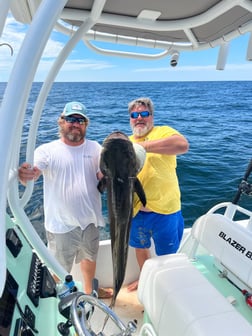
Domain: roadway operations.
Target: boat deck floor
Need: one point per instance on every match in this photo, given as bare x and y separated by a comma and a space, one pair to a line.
128, 308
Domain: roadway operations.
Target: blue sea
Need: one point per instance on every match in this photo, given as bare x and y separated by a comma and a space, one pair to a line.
215, 117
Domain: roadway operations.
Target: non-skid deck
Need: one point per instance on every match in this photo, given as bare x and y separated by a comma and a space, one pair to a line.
206, 265
128, 308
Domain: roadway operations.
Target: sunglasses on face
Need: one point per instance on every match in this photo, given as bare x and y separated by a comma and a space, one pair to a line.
143, 114
72, 120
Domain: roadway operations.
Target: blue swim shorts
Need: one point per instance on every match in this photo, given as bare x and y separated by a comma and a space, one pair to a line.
165, 230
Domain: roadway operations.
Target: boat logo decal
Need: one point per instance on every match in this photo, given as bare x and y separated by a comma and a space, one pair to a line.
239, 247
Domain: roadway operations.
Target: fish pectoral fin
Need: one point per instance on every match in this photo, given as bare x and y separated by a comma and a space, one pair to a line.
140, 192
101, 186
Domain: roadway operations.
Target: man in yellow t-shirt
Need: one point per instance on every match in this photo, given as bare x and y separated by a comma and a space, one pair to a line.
161, 219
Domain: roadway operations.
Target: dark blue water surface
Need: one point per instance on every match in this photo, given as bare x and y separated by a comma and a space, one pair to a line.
216, 118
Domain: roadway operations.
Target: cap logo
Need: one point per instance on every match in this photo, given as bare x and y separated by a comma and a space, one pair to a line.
76, 107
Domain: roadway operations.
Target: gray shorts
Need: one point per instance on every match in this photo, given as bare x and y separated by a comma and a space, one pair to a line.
75, 245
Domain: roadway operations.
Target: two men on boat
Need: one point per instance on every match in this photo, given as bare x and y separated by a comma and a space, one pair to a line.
72, 203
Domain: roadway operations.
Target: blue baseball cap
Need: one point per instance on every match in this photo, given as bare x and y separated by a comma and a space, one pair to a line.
75, 108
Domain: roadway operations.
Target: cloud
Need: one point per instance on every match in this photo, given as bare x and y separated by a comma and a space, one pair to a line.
240, 67
86, 64
52, 49
13, 34
75, 65
72, 70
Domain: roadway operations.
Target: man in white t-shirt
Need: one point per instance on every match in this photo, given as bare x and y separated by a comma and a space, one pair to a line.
72, 202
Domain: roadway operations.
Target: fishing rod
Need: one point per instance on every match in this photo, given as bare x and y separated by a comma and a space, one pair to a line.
244, 186
247, 295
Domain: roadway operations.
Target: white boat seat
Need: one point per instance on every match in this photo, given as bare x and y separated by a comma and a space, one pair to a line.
229, 242
180, 301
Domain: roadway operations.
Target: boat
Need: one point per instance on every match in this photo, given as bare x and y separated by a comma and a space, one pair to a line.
205, 288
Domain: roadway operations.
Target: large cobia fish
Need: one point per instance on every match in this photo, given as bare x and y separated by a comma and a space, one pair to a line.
120, 165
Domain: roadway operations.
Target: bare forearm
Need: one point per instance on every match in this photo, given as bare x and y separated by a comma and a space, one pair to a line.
173, 145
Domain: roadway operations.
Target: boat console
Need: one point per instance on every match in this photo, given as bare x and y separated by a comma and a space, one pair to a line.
29, 288
29, 304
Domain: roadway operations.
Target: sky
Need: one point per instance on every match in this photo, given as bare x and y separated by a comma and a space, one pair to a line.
84, 65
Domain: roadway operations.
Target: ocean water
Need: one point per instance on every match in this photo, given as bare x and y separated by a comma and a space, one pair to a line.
215, 117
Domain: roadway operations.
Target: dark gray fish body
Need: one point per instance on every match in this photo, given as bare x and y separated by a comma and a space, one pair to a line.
119, 166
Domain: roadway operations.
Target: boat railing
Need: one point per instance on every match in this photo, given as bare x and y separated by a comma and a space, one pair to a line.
4, 165
227, 210
232, 210
19, 86
22, 220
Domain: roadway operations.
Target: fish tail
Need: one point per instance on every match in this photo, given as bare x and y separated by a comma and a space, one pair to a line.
112, 303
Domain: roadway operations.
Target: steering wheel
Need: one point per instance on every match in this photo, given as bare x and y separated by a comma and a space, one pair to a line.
82, 309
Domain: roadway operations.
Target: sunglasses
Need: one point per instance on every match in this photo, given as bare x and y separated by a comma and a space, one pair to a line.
72, 120
143, 114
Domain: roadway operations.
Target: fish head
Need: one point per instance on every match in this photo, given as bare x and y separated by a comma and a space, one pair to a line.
118, 157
